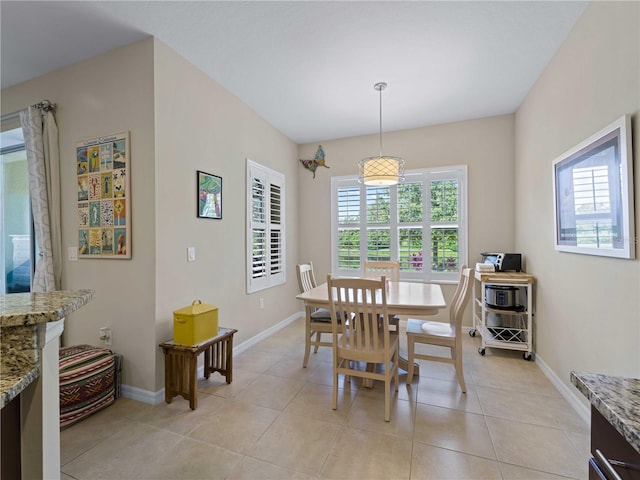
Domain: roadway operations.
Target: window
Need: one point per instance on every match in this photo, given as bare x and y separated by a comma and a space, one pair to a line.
421, 222
265, 228
16, 243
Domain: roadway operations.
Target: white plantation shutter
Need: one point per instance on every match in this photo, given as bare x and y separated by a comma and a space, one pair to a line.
258, 227
276, 247
421, 222
265, 227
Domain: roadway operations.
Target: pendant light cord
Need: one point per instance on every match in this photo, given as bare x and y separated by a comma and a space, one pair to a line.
380, 90
379, 87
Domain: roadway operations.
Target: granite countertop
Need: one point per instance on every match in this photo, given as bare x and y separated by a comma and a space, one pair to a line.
19, 364
617, 399
40, 307
19, 315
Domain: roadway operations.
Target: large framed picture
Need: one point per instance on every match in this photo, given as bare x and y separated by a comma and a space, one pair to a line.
209, 195
103, 175
593, 194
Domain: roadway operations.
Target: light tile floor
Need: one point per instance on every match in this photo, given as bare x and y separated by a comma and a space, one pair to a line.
274, 421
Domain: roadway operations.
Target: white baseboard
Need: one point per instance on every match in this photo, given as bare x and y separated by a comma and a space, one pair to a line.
265, 333
155, 398
144, 396
571, 395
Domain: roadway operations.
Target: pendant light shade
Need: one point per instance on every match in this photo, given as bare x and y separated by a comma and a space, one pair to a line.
381, 170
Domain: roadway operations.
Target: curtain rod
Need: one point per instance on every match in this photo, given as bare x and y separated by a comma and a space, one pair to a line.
45, 105
9, 116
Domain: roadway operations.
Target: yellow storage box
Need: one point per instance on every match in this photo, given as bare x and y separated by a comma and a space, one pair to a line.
195, 324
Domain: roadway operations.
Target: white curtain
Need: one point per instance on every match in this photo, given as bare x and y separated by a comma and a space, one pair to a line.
43, 159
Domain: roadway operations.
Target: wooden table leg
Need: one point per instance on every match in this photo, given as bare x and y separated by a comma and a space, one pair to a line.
207, 362
403, 364
168, 372
229, 362
193, 391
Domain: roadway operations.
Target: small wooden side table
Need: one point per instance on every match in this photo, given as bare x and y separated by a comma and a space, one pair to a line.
181, 364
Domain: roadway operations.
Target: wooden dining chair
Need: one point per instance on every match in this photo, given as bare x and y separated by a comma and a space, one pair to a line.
445, 334
391, 271
377, 269
362, 339
317, 321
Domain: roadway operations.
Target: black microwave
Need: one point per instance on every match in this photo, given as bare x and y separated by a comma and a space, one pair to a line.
504, 262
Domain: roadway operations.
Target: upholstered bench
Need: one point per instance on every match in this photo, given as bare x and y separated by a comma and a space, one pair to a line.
89, 381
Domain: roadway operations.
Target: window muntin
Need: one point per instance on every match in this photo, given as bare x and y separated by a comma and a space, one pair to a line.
420, 222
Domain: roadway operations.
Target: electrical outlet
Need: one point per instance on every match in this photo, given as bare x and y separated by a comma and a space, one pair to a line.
105, 335
261, 303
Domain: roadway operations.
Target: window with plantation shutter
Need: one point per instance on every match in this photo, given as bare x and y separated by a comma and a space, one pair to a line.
265, 227
420, 222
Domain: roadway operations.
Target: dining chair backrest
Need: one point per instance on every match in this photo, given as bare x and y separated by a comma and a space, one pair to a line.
460, 303
377, 269
306, 279
363, 302
456, 295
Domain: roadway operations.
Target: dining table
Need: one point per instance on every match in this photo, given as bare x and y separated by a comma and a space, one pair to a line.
403, 298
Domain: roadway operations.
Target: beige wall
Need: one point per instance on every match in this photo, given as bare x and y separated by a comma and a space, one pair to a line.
107, 94
201, 126
180, 121
485, 145
588, 307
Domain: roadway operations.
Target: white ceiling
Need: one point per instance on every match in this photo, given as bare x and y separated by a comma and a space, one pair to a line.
308, 67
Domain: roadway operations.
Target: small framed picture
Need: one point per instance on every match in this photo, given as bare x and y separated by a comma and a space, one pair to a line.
209, 195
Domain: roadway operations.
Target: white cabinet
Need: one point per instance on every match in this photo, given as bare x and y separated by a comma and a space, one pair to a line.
503, 311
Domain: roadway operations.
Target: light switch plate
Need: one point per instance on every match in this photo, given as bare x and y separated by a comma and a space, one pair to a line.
191, 254
72, 254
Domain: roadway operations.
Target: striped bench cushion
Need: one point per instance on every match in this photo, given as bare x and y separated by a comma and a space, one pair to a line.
87, 381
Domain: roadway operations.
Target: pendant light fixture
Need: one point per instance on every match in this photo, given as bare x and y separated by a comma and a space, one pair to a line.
381, 170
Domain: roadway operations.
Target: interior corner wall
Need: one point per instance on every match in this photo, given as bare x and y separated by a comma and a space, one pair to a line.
199, 125
485, 145
588, 307
107, 94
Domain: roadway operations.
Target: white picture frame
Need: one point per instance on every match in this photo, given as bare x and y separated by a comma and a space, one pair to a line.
593, 194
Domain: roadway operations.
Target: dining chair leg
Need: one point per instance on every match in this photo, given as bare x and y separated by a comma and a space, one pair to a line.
307, 349
387, 396
410, 360
335, 386
318, 337
396, 357
459, 371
